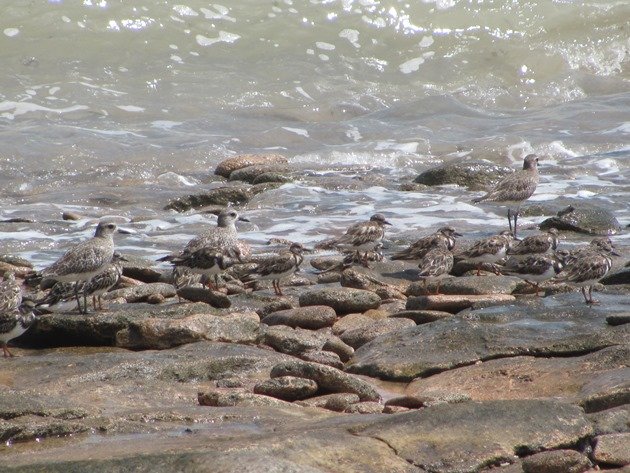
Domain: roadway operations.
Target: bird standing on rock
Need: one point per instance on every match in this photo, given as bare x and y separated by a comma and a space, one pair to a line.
488, 250
585, 266
418, 249
514, 189
279, 267
363, 237
15, 316
84, 260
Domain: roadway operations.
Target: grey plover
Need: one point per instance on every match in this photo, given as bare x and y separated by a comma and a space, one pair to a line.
219, 240
84, 260
421, 247
488, 250
435, 265
542, 243
514, 189
95, 287
14, 319
533, 269
279, 268
363, 237
584, 267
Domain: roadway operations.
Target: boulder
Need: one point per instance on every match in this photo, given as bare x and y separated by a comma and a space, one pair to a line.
582, 218
327, 378
229, 165
287, 388
310, 317
556, 461
474, 175
223, 196
343, 300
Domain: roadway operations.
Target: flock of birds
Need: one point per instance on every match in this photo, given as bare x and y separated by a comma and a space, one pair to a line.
92, 267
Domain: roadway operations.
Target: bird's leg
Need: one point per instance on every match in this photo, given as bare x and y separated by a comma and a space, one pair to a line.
5, 351
85, 307
437, 289
277, 287
590, 296
76, 294
585, 296
424, 286
216, 281
515, 219
510, 218
479, 269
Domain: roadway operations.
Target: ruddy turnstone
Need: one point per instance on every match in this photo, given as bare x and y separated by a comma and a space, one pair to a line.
536, 244
488, 250
533, 269
279, 268
514, 189
436, 264
84, 260
363, 237
421, 247
15, 318
207, 252
585, 266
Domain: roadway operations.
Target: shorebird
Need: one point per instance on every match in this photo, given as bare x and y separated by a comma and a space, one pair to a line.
488, 250
279, 267
533, 269
514, 189
585, 266
421, 247
84, 260
536, 244
95, 287
15, 318
363, 237
436, 264
207, 252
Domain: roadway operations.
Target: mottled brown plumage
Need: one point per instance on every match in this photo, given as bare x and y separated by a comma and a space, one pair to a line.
421, 247
279, 267
536, 244
488, 250
363, 237
514, 189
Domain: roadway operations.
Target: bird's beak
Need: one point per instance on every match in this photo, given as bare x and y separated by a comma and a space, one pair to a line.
614, 253
386, 222
455, 234
243, 219
126, 231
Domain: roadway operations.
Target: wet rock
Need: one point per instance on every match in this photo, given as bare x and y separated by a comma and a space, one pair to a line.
583, 218
512, 331
16, 261
343, 300
322, 357
336, 345
360, 336
619, 277
422, 316
364, 408
141, 293
272, 177
323, 263
223, 196
250, 173
69, 215
310, 317
155, 299
165, 333
271, 305
327, 378
337, 402
618, 319
454, 304
220, 398
227, 166
200, 294
573, 379
612, 449
470, 435
292, 341
351, 322
410, 402
142, 269
556, 461
474, 175
465, 285
287, 388
611, 421
34, 427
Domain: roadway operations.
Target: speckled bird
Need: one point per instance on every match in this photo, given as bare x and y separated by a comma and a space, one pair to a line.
514, 189
279, 268
533, 269
418, 249
85, 260
363, 237
587, 265
435, 265
488, 250
542, 243
14, 318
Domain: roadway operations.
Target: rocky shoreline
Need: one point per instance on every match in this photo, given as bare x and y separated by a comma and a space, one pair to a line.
356, 370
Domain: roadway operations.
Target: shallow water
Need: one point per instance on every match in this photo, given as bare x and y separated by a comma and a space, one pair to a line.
109, 108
